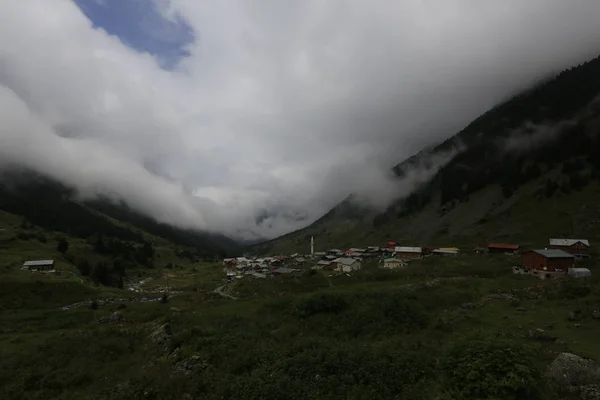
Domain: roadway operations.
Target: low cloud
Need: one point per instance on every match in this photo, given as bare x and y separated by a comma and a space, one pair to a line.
286, 107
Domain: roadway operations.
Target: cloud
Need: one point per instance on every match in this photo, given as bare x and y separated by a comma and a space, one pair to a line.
279, 106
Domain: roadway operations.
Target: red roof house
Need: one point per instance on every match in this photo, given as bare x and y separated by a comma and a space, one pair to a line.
503, 248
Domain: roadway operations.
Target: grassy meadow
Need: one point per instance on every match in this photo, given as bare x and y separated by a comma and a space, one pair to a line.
373, 334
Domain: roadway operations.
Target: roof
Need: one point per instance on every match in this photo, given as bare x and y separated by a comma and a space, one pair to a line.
504, 246
319, 253
554, 253
284, 270
358, 250
403, 249
36, 263
324, 262
345, 261
393, 260
445, 251
334, 250
568, 242
449, 248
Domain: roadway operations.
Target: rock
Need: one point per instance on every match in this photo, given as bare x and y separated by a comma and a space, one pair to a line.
521, 309
190, 365
589, 392
161, 334
571, 370
113, 318
175, 309
540, 334
467, 306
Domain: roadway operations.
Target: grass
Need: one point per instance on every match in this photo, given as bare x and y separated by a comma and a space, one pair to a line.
375, 333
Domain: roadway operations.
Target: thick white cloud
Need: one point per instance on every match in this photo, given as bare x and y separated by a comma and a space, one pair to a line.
284, 106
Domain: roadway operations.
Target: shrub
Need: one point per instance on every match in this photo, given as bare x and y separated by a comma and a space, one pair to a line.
321, 303
492, 368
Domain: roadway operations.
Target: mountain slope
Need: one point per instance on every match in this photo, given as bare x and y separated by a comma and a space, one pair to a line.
106, 241
538, 152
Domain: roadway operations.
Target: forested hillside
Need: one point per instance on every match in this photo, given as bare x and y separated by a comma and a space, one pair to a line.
104, 240
542, 144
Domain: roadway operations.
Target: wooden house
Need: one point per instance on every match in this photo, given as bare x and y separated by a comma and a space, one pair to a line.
578, 247
547, 263
503, 248
39, 265
408, 253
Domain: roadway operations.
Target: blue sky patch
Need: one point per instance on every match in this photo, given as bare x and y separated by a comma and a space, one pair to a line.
139, 25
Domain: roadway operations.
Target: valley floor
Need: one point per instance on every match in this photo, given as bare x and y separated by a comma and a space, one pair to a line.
415, 333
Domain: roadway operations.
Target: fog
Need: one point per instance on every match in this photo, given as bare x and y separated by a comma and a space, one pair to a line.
286, 107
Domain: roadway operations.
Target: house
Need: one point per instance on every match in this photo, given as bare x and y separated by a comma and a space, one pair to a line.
283, 270
334, 251
229, 261
319, 253
503, 248
295, 255
391, 243
579, 272
39, 265
357, 250
329, 258
324, 264
373, 249
346, 264
577, 247
408, 253
547, 263
242, 260
393, 263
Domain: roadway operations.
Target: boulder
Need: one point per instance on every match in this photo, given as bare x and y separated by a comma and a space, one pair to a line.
571, 370
541, 335
113, 318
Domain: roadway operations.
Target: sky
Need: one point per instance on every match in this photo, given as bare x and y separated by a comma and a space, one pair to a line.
255, 117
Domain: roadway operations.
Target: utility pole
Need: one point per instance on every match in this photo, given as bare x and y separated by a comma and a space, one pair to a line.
312, 246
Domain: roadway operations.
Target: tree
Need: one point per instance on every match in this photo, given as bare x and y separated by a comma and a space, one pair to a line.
63, 245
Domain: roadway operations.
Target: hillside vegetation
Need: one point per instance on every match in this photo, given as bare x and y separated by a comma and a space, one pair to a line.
460, 327
98, 241
526, 170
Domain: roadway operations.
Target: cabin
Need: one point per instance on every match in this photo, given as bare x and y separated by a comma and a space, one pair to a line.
346, 264
503, 248
39, 265
324, 264
408, 253
283, 270
547, 263
393, 263
578, 247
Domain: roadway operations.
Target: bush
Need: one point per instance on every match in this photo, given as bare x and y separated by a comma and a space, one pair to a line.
400, 311
492, 368
323, 303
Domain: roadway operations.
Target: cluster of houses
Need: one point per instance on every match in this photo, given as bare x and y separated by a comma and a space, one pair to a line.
557, 260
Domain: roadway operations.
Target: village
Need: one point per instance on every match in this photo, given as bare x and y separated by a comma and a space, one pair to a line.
557, 260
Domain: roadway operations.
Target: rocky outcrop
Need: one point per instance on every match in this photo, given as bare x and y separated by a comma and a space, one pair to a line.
576, 375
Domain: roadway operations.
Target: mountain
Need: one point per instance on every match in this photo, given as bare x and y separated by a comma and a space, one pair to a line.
37, 213
526, 169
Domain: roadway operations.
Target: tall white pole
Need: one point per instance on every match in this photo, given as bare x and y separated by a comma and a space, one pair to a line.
312, 245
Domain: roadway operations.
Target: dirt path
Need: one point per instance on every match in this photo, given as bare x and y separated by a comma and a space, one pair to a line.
220, 292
